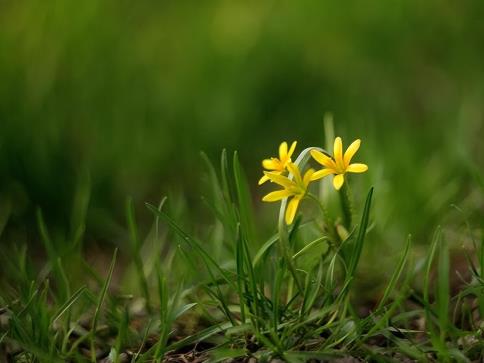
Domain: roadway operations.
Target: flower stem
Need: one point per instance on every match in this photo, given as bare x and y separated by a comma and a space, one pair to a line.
285, 252
346, 205
300, 161
328, 221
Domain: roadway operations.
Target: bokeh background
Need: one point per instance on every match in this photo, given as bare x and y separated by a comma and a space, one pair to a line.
100, 100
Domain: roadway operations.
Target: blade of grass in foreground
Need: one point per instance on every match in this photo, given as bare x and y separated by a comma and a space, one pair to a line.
136, 250
55, 264
396, 274
192, 243
3, 337
102, 296
165, 322
201, 335
481, 276
443, 292
208, 261
382, 323
115, 354
243, 198
143, 342
68, 304
355, 255
221, 202
239, 263
358, 247
437, 338
428, 264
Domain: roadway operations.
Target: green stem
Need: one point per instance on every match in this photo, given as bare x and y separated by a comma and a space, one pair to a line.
346, 205
300, 162
328, 221
285, 251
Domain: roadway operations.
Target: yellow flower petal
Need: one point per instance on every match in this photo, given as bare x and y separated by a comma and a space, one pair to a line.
324, 160
277, 195
263, 179
292, 209
351, 151
338, 153
291, 149
308, 177
357, 168
322, 173
338, 181
280, 179
283, 151
271, 164
294, 170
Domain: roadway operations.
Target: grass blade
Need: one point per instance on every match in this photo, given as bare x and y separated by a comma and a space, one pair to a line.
443, 290
191, 242
100, 302
66, 306
358, 245
135, 244
244, 205
396, 274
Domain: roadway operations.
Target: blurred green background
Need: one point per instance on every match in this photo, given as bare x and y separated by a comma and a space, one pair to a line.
118, 97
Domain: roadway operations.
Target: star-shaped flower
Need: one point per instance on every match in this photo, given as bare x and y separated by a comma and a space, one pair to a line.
295, 189
339, 164
278, 166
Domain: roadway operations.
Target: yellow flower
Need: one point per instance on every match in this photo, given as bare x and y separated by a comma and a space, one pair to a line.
339, 164
275, 165
295, 188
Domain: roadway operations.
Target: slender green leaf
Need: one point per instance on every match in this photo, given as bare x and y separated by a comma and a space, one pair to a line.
67, 305
396, 274
136, 251
100, 302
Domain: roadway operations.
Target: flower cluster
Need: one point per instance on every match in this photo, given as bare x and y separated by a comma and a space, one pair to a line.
285, 173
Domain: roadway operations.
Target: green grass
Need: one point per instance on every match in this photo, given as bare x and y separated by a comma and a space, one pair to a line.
219, 291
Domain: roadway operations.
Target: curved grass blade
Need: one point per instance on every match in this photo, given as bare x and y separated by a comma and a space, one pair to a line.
358, 245
396, 274
192, 243
102, 296
66, 306
135, 245
244, 202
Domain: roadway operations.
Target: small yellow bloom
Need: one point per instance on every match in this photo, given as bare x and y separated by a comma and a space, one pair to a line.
339, 164
275, 165
295, 188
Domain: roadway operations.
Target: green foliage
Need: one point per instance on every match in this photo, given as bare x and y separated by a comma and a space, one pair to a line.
239, 292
